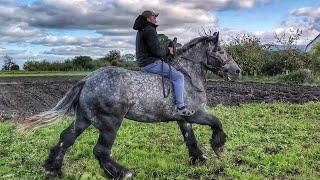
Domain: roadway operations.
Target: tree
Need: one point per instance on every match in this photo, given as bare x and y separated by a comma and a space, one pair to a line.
82, 62
288, 40
112, 58
293, 58
248, 52
15, 67
9, 64
316, 50
315, 64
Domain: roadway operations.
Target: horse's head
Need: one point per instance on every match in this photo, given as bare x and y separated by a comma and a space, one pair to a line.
206, 50
219, 61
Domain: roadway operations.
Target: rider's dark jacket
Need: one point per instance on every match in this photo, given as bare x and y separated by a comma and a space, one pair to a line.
148, 47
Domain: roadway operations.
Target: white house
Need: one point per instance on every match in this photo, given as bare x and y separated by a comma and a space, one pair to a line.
312, 43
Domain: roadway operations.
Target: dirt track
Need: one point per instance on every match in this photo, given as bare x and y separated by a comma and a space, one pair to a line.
25, 96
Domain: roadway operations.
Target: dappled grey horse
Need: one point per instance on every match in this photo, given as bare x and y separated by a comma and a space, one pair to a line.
109, 94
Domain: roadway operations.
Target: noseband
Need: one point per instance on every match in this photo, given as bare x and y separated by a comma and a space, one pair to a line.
206, 65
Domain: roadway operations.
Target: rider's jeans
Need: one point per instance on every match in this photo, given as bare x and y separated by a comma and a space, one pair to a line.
177, 79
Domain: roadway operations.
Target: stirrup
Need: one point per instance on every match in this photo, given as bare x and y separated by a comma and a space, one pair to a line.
184, 111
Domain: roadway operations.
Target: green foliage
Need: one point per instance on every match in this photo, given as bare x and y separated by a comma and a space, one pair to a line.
248, 56
316, 50
265, 141
298, 77
164, 40
128, 57
253, 57
15, 67
294, 59
112, 58
48, 66
315, 63
277, 62
82, 63
273, 66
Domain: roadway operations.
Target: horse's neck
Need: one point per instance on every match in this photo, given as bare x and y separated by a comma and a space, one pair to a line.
193, 70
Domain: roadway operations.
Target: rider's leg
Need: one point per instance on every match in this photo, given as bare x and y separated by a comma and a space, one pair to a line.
177, 79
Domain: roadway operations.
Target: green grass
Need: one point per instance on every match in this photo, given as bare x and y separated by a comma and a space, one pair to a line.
42, 73
265, 141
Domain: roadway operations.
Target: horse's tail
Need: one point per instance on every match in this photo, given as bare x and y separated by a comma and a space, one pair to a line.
67, 104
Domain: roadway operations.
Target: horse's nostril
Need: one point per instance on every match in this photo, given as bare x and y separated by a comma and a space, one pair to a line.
237, 71
226, 70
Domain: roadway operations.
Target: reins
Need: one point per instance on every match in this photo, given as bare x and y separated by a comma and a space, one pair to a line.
173, 44
205, 64
170, 78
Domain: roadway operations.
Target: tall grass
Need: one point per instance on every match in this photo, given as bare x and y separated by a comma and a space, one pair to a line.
265, 141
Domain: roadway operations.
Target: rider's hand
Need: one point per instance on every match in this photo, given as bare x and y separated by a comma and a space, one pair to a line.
171, 50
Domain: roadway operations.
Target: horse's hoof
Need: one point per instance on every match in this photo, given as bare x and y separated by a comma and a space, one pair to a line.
199, 160
218, 151
54, 174
128, 175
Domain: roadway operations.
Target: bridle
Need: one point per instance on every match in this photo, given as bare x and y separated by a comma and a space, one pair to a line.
208, 66
203, 64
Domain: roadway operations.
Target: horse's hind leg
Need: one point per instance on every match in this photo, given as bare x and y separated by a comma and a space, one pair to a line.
108, 127
67, 138
195, 153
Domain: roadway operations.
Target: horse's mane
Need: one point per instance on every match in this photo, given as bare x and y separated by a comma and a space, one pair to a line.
192, 43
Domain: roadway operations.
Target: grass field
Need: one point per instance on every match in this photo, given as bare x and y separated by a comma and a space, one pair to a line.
265, 141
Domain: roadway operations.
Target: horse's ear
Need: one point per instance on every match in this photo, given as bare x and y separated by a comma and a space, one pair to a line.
175, 39
216, 39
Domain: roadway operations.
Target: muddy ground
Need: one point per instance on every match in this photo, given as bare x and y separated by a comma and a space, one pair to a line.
20, 97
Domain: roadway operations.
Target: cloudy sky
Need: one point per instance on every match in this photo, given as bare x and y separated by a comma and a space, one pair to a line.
60, 29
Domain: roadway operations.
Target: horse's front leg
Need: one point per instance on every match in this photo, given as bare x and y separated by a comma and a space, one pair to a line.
218, 135
195, 153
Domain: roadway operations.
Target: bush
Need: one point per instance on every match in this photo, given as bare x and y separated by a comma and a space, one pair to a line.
273, 64
82, 62
277, 62
298, 77
249, 57
15, 67
315, 64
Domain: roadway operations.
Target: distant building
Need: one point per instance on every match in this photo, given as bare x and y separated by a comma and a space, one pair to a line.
309, 47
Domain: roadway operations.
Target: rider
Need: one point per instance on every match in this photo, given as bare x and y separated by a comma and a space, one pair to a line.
149, 52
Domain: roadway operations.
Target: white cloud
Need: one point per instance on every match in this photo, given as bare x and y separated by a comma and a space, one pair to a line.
18, 33
306, 19
113, 21
100, 42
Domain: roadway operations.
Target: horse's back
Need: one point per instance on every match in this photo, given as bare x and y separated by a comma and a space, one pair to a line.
119, 89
